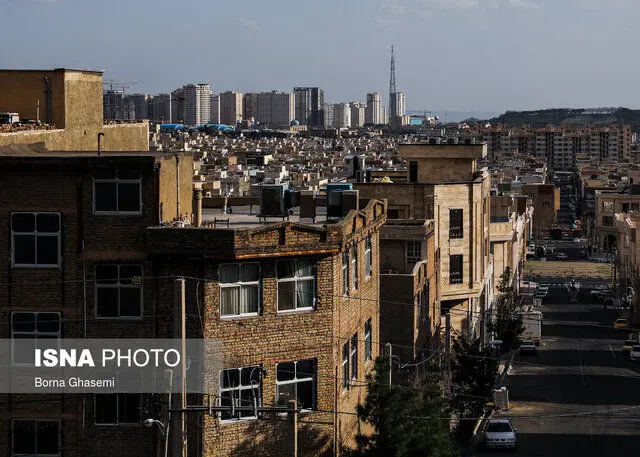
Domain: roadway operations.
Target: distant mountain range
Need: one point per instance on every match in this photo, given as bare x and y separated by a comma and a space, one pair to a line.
568, 116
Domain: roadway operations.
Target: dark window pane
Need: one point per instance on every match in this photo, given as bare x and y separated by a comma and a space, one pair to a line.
286, 392
130, 302
105, 173
48, 223
129, 408
250, 376
230, 378
106, 408
24, 437
23, 322
128, 174
286, 295
225, 400
107, 274
127, 272
47, 437
47, 250
106, 198
129, 197
249, 272
305, 394
24, 346
107, 302
286, 268
22, 222
286, 371
48, 322
246, 399
24, 249
304, 369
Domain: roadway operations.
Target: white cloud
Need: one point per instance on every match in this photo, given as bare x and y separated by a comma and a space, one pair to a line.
248, 23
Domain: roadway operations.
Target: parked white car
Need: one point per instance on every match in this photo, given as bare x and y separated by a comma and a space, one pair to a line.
635, 353
500, 434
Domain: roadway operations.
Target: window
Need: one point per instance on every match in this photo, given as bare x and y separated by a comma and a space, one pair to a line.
607, 207
296, 381
367, 340
29, 328
413, 171
354, 268
296, 285
345, 365
393, 213
35, 438
240, 387
354, 356
414, 252
345, 273
120, 408
118, 291
368, 258
239, 289
455, 223
455, 269
35, 240
117, 192
607, 221
546, 204
626, 207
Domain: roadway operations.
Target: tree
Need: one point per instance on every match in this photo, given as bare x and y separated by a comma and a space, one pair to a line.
507, 322
472, 378
408, 421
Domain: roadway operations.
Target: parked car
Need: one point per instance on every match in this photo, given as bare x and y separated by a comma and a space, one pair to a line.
621, 323
628, 345
635, 352
500, 434
542, 291
528, 347
561, 256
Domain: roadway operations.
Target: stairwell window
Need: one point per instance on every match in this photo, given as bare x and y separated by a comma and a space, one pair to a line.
455, 223
118, 291
296, 285
455, 269
354, 268
35, 240
36, 438
240, 387
345, 273
367, 340
30, 331
239, 289
296, 381
354, 356
117, 192
120, 408
345, 366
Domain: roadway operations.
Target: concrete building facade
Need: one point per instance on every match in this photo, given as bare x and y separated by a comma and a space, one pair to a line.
341, 115
357, 114
230, 108
197, 103
275, 108
309, 102
373, 110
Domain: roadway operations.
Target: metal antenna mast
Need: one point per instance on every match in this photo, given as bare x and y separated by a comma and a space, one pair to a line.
392, 89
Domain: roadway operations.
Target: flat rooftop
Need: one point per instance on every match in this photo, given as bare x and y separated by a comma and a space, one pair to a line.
244, 217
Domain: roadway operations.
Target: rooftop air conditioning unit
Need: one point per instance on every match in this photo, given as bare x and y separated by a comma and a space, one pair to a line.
272, 201
334, 198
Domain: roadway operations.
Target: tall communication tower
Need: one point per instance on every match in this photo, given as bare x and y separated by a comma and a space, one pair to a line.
392, 89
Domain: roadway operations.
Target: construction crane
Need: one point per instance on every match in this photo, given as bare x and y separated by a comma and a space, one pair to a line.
117, 84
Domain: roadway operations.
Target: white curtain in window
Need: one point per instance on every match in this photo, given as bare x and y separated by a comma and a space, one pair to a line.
304, 291
229, 299
249, 299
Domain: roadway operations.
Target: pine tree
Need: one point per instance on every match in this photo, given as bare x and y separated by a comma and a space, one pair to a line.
409, 420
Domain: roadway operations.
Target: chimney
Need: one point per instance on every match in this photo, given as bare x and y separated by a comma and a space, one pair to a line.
197, 207
308, 204
349, 201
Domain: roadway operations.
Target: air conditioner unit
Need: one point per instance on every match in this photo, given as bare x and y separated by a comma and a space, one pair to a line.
334, 198
272, 200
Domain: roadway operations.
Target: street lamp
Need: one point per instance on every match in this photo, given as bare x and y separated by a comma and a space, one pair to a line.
149, 423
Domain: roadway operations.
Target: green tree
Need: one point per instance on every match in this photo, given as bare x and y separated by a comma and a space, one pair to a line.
408, 421
472, 379
506, 322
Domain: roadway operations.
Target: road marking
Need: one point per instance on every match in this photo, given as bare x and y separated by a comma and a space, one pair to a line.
584, 382
612, 353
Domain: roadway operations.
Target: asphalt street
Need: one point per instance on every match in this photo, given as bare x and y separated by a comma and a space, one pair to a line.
579, 396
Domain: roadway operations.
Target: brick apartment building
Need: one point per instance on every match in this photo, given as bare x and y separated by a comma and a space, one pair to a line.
546, 204
89, 255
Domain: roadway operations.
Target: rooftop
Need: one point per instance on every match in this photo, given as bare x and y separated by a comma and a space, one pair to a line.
244, 217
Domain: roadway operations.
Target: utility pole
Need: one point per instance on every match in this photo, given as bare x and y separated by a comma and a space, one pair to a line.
292, 421
179, 445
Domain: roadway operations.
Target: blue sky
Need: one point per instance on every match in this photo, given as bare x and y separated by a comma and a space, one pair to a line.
465, 55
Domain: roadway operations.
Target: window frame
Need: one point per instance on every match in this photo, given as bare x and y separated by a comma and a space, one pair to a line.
240, 284
118, 286
413, 246
239, 388
345, 273
345, 366
456, 216
118, 423
35, 233
368, 258
354, 264
18, 419
368, 340
35, 333
313, 379
117, 181
295, 279
457, 256
353, 357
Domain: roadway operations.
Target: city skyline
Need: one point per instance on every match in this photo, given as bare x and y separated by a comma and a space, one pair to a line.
524, 54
